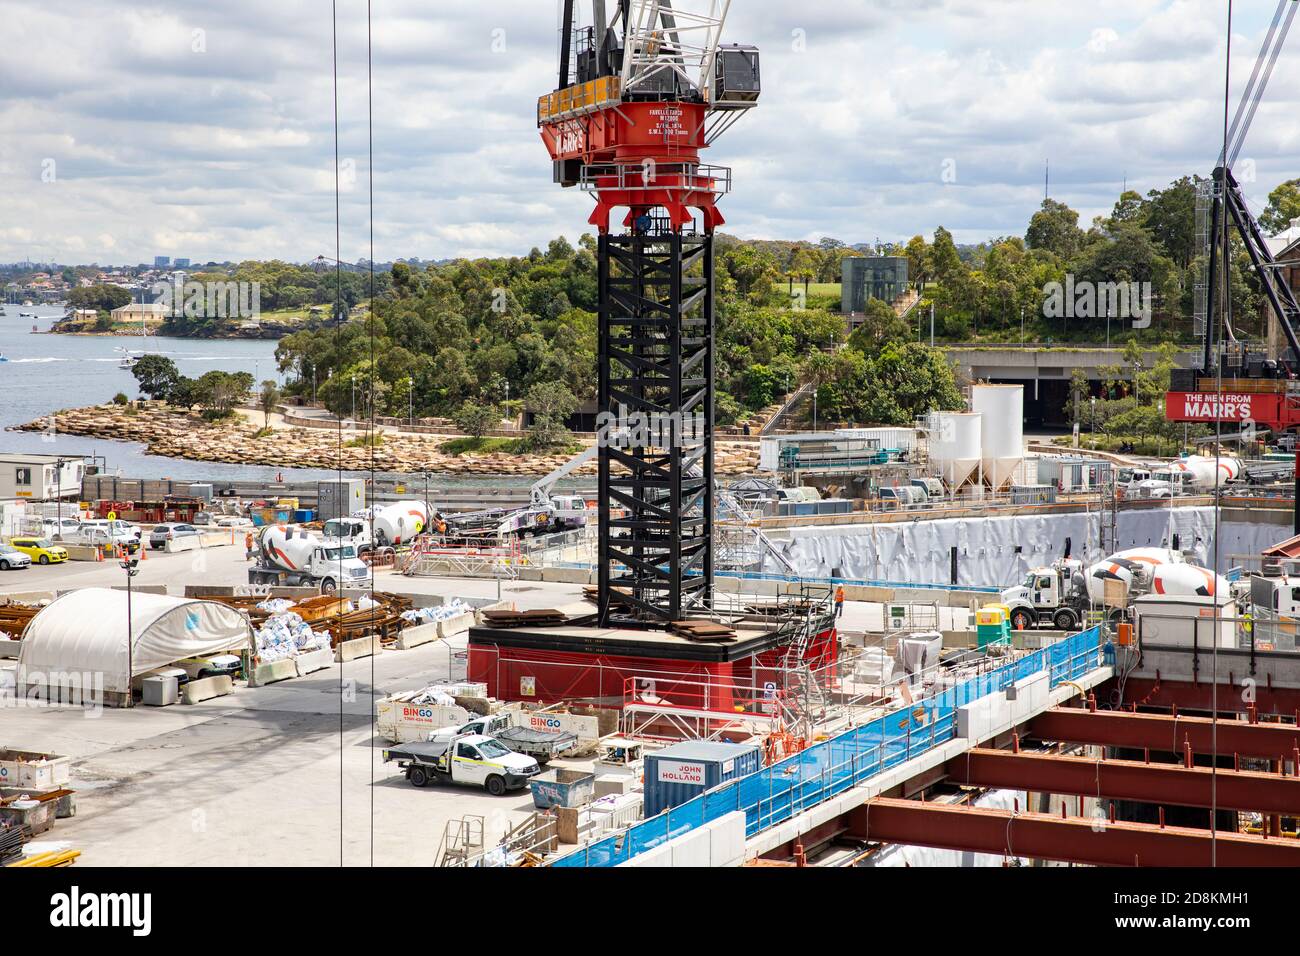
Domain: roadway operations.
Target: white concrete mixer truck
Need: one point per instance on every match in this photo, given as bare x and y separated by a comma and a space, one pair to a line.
1060, 596
1193, 474
399, 523
291, 558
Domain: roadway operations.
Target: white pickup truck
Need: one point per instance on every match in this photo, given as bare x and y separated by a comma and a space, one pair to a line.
469, 759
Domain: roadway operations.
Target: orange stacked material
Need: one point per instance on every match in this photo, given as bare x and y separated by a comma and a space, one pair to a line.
14, 618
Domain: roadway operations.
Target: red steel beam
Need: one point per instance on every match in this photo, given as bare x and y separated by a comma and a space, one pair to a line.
1070, 840
1160, 783
1186, 695
1163, 732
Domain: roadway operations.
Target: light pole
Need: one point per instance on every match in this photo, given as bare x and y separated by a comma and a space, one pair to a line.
410, 401
1022, 325
354, 398
508, 398
1092, 428
128, 564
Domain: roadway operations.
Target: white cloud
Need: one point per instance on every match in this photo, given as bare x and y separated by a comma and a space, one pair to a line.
224, 148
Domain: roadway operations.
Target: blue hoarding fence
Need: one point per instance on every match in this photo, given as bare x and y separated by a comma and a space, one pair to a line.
812, 776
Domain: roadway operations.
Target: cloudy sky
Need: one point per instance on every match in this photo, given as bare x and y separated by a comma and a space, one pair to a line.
205, 129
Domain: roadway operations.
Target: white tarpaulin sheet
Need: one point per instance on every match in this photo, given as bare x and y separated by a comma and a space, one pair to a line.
997, 551
85, 632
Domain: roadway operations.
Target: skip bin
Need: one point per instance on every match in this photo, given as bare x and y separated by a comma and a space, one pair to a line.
563, 788
683, 771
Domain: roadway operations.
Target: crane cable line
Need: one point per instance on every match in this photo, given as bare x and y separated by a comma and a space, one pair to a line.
338, 318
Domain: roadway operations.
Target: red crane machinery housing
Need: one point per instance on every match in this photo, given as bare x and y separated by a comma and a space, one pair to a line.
642, 91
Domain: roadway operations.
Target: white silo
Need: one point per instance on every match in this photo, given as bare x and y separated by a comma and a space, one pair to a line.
955, 445
1003, 431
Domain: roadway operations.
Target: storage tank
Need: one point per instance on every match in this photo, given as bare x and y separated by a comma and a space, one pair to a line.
398, 523
1002, 435
683, 771
955, 445
287, 548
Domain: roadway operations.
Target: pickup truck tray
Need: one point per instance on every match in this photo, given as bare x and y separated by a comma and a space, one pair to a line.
419, 751
530, 740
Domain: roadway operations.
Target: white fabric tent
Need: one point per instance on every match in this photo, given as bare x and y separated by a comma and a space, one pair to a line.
85, 632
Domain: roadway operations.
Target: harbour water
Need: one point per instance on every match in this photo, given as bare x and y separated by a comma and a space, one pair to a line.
44, 373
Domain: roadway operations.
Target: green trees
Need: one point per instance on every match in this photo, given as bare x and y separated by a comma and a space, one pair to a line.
156, 375
267, 398
1055, 229
1283, 207
476, 420
551, 403
104, 298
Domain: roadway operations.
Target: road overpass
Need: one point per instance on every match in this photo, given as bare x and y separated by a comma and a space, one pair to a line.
1045, 371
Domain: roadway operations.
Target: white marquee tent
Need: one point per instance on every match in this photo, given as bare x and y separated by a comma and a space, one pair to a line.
85, 632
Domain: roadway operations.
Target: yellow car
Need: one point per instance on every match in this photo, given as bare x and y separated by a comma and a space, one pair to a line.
40, 550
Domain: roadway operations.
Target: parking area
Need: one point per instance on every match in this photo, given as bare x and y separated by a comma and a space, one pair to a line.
284, 774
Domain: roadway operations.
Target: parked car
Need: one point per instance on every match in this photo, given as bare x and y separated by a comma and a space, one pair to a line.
163, 533
12, 558
211, 666
40, 550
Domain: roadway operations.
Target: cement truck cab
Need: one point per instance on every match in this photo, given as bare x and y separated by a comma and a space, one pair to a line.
1055, 596
292, 558
353, 532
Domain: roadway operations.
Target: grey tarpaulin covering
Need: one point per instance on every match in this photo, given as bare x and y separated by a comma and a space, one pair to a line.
918, 551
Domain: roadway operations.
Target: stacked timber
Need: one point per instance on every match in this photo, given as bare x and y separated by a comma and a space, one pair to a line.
542, 617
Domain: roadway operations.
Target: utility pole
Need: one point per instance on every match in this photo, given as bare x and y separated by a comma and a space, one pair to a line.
931, 325
410, 404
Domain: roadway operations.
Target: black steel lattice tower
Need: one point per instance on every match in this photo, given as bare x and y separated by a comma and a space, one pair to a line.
655, 400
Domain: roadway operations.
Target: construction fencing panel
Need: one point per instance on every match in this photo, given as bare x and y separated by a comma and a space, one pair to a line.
814, 775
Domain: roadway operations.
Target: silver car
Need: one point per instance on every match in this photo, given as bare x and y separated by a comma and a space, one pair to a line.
12, 558
163, 533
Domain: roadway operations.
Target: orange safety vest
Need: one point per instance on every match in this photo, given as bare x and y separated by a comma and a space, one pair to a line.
839, 595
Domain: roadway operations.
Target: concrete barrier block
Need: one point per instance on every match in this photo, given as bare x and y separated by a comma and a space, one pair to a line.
206, 688
417, 635
271, 671
455, 625
313, 661
659, 856
9, 648
691, 849
361, 647
191, 542
727, 840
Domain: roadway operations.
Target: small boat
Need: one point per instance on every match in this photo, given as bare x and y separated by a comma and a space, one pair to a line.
127, 359
3, 358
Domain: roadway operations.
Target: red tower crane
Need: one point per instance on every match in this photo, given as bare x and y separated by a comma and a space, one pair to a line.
643, 90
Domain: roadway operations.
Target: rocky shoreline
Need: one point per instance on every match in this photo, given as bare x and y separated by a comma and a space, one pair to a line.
174, 434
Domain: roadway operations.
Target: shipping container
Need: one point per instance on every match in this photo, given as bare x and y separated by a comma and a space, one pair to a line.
683, 771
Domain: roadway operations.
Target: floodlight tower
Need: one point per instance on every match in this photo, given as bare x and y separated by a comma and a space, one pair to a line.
642, 92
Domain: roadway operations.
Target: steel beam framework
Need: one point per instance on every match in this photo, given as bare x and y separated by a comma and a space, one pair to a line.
655, 401
1170, 734
1067, 839
1202, 695
1158, 783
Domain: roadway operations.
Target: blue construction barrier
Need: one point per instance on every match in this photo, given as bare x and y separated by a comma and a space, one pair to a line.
812, 776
